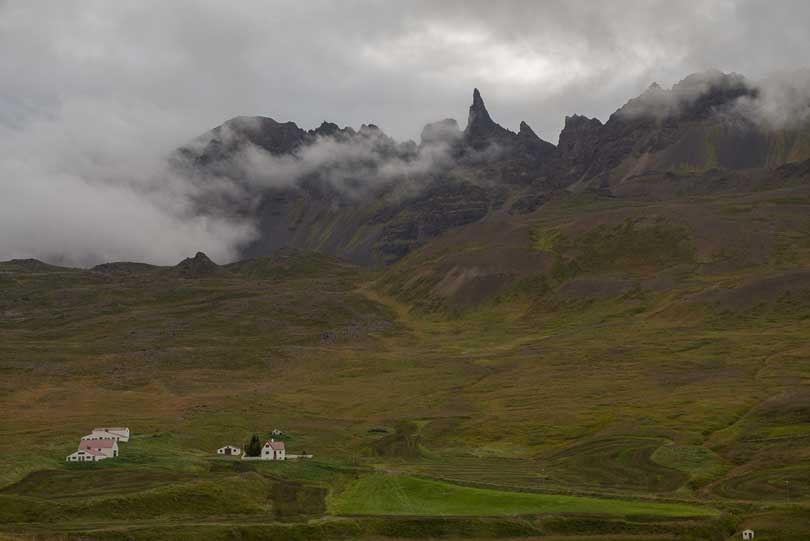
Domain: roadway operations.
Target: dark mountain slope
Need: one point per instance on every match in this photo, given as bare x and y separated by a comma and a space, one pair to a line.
365, 197
359, 194
701, 124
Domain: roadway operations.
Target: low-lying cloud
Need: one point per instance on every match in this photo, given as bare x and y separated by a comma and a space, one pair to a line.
352, 163
782, 100
96, 93
96, 184
89, 185
779, 101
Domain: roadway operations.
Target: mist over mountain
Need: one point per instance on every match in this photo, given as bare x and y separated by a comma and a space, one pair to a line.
255, 184
361, 195
97, 96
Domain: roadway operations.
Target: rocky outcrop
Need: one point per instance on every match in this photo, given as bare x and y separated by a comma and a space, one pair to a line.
528, 144
578, 144
197, 266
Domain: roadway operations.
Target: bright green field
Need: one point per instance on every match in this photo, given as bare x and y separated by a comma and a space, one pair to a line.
381, 494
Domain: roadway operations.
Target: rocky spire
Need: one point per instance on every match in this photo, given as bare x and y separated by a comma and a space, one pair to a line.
579, 141
478, 118
481, 130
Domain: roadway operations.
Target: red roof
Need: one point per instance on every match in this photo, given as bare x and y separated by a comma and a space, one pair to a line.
96, 444
90, 452
277, 445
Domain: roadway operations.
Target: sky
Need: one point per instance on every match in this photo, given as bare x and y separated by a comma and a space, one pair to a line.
94, 93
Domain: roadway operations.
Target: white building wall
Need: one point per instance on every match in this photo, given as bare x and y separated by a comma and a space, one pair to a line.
79, 456
100, 436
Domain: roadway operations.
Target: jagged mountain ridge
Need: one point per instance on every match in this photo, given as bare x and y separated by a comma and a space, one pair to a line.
361, 195
697, 126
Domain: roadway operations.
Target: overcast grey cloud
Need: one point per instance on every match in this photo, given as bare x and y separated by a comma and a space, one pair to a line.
95, 93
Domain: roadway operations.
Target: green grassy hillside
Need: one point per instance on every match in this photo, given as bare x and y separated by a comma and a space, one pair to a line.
601, 366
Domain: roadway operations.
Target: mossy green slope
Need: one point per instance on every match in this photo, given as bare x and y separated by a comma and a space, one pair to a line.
604, 348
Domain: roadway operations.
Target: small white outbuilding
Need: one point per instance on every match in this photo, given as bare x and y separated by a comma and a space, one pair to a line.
229, 450
748, 534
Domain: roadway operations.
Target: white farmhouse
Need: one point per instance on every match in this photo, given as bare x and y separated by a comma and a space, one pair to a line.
273, 450
229, 450
117, 433
85, 455
748, 534
108, 448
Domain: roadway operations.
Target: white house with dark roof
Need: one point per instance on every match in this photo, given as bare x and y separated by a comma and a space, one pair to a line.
273, 450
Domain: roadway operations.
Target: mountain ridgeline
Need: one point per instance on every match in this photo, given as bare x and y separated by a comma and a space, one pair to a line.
362, 196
